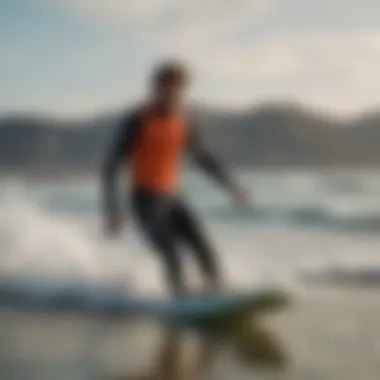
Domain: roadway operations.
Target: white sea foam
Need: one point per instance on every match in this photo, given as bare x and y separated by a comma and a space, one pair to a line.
40, 241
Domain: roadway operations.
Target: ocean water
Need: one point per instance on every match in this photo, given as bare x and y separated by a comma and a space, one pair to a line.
316, 234
299, 222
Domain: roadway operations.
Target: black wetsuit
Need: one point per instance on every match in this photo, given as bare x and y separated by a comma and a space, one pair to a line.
166, 221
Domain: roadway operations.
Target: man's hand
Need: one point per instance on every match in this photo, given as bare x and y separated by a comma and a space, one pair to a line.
113, 226
240, 197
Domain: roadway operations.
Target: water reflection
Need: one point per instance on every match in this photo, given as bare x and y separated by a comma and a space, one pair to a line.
252, 344
37, 346
170, 363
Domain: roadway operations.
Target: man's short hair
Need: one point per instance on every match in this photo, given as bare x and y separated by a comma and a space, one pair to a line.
170, 72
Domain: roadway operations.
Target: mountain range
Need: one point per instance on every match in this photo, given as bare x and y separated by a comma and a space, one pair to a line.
273, 135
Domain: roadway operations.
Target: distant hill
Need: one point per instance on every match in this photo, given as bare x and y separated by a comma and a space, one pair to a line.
273, 135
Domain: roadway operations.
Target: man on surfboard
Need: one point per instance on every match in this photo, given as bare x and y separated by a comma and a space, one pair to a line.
151, 142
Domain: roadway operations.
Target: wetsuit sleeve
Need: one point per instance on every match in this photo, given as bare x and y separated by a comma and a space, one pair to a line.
121, 149
207, 162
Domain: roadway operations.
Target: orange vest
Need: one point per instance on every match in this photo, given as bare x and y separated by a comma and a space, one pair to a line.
157, 157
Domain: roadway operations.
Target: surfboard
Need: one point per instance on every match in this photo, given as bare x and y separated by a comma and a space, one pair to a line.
117, 303
200, 307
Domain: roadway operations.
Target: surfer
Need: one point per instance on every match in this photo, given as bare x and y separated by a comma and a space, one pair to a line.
151, 142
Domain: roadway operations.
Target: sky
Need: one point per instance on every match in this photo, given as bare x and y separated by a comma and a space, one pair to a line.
74, 57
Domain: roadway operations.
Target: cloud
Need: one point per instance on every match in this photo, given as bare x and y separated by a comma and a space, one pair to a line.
329, 14
163, 12
337, 71
175, 24
326, 52
343, 53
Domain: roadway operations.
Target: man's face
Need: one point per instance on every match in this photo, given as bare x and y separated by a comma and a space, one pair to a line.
172, 93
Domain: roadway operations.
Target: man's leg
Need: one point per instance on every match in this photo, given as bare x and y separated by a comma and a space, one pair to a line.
190, 231
152, 215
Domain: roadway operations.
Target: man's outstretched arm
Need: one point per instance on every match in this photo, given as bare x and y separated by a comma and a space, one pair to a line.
207, 162
120, 150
